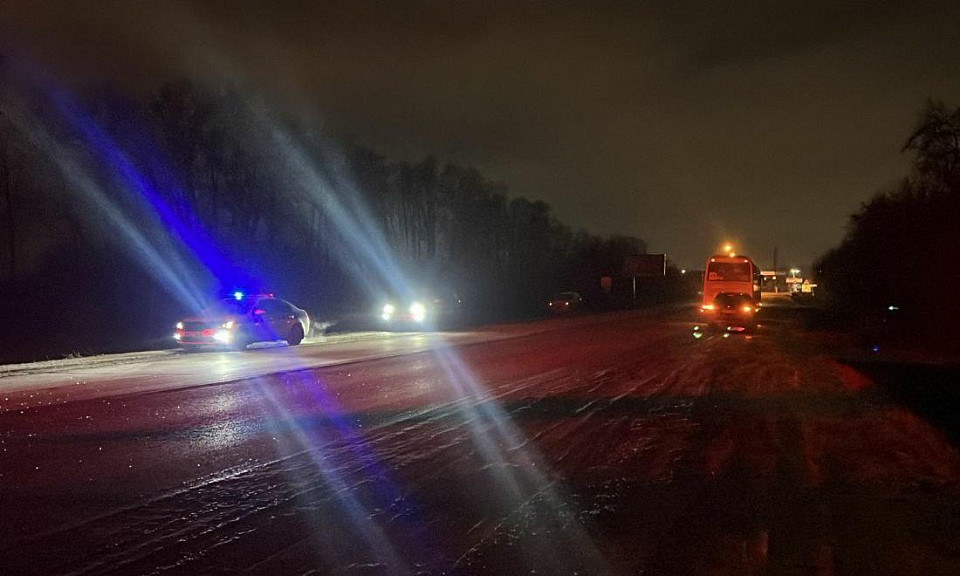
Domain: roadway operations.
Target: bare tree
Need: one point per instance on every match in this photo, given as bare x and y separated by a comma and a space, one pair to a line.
936, 143
6, 187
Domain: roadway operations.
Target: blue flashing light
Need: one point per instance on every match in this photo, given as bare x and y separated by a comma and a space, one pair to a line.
190, 244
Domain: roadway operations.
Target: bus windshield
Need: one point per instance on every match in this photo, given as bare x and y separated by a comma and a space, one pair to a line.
728, 272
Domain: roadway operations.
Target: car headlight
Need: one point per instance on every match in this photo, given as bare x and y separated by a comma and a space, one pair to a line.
223, 336
176, 336
228, 325
387, 312
179, 325
418, 312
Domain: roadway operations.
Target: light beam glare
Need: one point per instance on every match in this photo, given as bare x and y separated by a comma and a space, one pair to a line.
489, 427
189, 237
360, 238
494, 435
81, 182
358, 517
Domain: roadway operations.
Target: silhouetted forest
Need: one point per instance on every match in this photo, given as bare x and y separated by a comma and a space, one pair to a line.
898, 264
121, 214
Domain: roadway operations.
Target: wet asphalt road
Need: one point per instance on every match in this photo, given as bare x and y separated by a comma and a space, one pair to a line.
613, 444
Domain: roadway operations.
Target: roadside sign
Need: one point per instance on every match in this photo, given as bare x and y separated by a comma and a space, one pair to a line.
645, 266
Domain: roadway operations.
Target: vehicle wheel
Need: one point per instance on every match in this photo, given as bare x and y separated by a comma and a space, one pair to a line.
296, 335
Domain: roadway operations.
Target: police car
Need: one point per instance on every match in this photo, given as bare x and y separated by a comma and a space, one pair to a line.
240, 320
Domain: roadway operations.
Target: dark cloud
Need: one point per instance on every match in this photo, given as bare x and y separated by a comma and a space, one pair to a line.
682, 122
725, 33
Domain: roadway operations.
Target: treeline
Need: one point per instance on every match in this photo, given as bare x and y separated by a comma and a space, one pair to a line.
898, 263
121, 214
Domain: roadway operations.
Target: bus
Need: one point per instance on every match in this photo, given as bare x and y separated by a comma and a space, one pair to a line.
731, 289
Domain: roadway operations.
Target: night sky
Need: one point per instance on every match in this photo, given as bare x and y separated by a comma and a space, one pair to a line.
685, 123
